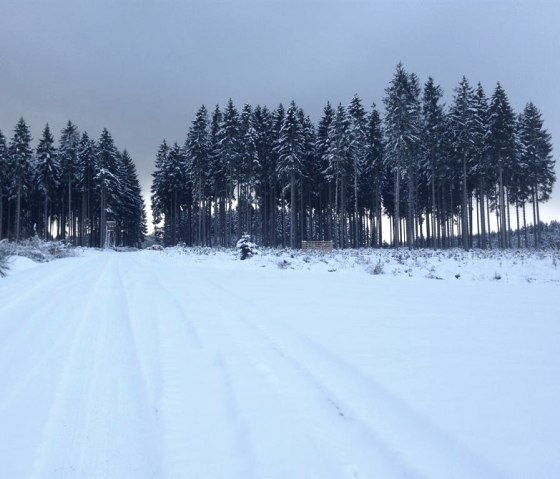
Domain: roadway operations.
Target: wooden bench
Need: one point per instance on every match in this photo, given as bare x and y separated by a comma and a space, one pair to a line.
317, 245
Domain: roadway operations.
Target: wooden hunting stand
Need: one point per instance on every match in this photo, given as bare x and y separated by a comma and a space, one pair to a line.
317, 245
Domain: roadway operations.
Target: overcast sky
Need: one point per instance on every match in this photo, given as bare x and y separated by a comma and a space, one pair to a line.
141, 68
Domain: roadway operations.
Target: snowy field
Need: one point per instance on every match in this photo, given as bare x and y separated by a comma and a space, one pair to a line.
193, 364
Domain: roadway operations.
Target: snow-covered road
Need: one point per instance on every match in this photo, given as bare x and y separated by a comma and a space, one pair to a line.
147, 365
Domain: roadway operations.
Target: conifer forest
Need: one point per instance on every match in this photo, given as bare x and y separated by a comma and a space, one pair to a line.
69, 191
414, 173
442, 175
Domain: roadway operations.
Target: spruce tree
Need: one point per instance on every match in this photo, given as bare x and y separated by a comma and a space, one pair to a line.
339, 170
402, 131
537, 175
106, 182
197, 149
47, 173
433, 118
502, 126
4, 172
290, 161
68, 159
357, 154
462, 121
21, 155
374, 172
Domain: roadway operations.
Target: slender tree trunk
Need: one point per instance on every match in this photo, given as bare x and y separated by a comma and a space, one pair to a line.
538, 220
1, 212
464, 213
102, 219
45, 218
502, 209
525, 227
18, 209
397, 218
518, 232
433, 212
482, 217
356, 221
535, 232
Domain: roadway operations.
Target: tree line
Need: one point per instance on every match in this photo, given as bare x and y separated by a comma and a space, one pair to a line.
70, 191
442, 176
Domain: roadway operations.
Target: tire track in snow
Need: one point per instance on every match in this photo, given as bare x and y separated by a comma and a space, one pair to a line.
203, 434
393, 423
100, 396
248, 356
48, 452
13, 327
35, 336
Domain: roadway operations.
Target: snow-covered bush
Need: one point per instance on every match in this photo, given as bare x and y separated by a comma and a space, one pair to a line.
37, 249
376, 269
3, 263
245, 247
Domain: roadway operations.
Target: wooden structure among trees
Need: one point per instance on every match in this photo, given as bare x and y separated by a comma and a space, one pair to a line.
317, 245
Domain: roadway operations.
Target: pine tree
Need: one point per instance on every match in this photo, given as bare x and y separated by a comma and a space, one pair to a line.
402, 130
20, 159
87, 167
217, 181
158, 188
536, 162
433, 118
502, 126
229, 151
462, 120
4, 172
197, 149
290, 161
482, 171
322, 148
374, 172
339, 169
131, 211
106, 182
357, 154
47, 174
68, 159
265, 180
247, 170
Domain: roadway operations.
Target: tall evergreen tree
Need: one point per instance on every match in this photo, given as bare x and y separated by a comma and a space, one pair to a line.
536, 162
197, 150
68, 159
87, 167
402, 130
502, 126
106, 182
229, 151
462, 120
21, 156
357, 150
290, 161
47, 174
375, 171
4, 173
433, 126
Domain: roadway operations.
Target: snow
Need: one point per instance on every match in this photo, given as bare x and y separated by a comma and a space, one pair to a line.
193, 364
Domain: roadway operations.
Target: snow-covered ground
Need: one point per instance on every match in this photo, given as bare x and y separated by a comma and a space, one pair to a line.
193, 364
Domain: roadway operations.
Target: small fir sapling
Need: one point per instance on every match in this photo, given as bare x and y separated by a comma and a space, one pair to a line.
246, 247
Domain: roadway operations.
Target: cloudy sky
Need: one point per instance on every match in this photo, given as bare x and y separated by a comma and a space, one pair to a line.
142, 67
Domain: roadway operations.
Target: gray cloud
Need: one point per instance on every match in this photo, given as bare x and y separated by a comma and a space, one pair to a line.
142, 68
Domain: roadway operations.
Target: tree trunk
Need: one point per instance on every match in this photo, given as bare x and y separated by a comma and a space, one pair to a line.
502, 209
18, 209
482, 218
396, 214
